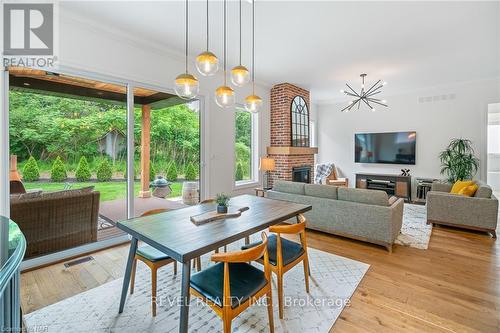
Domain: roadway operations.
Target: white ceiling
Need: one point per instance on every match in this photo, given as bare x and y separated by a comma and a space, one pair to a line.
322, 45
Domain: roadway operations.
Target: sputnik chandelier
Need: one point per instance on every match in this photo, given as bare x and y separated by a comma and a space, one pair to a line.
365, 96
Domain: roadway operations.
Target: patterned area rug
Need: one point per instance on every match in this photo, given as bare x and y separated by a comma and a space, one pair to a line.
415, 232
334, 280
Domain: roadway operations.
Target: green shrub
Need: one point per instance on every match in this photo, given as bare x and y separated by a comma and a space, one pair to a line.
172, 172
239, 172
30, 171
83, 170
104, 171
152, 171
136, 171
190, 172
58, 171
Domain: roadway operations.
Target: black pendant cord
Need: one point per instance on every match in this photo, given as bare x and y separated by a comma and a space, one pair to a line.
253, 46
240, 32
207, 27
187, 33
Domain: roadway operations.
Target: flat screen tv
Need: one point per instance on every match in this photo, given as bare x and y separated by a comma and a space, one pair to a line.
386, 148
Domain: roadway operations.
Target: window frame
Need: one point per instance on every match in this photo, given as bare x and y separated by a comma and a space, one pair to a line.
303, 123
254, 152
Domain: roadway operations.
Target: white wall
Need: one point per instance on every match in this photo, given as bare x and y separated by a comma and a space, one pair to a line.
87, 46
436, 123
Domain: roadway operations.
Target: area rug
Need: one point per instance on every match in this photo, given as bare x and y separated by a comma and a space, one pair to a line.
415, 231
333, 281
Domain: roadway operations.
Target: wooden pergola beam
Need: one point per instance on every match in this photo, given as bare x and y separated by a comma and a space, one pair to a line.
145, 151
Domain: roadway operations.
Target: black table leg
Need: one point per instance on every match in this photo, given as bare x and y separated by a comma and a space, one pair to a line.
128, 270
186, 277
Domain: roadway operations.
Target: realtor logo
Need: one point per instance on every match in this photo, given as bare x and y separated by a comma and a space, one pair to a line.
28, 29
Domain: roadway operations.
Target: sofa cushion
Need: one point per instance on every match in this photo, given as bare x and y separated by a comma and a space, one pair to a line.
321, 191
484, 191
289, 187
469, 191
370, 197
460, 184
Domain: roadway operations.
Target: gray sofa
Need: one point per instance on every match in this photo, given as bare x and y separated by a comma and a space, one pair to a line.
366, 215
479, 212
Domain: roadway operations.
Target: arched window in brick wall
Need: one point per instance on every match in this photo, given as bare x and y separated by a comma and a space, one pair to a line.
300, 122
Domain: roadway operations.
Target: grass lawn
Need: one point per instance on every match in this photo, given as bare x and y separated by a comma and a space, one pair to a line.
109, 190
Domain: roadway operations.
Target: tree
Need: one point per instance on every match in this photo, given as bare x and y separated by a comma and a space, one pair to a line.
30, 171
190, 173
83, 170
239, 172
152, 171
58, 171
104, 171
172, 172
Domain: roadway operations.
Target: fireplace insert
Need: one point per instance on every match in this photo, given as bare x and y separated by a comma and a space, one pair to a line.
301, 174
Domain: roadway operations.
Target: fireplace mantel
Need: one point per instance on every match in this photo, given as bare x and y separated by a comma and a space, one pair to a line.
292, 150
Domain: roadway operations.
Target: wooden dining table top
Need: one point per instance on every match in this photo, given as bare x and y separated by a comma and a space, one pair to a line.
174, 234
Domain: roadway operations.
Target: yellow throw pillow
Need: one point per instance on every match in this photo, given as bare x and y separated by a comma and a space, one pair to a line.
469, 191
460, 184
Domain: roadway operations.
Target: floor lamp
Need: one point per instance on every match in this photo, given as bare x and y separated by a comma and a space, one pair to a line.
267, 164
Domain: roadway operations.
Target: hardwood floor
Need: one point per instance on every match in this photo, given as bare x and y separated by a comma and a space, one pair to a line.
454, 286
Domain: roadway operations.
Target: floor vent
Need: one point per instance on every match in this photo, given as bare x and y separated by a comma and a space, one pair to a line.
78, 261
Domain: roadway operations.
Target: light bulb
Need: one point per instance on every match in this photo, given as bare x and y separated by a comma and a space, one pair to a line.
253, 103
342, 91
207, 63
240, 76
384, 83
186, 86
373, 109
224, 97
384, 101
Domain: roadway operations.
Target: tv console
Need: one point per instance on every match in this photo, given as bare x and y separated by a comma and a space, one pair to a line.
397, 185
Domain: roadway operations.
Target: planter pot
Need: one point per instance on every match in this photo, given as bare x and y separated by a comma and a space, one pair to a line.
221, 209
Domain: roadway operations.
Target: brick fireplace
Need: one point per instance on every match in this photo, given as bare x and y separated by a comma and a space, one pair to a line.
285, 151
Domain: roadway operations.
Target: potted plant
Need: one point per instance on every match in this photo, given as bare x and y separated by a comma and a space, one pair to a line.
458, 161
222, 201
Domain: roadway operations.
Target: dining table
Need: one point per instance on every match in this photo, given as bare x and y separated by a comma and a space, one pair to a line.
174, 234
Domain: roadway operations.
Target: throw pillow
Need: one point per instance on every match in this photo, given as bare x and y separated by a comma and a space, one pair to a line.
469, 191
460, 184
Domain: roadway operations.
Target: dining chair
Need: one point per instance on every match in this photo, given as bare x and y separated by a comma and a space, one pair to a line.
285, 254
232, 285
154, 259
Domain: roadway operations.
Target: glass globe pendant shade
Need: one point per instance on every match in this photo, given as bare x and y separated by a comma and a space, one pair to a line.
224, 97
207, 63
253, 103
240, 76
186, 86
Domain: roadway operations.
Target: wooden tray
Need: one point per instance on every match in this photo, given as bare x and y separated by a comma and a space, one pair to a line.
232, 212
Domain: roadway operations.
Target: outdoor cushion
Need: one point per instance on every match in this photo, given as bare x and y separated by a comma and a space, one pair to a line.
151, 253
289, 250
370, 197
289, 187
321, 191
244, 280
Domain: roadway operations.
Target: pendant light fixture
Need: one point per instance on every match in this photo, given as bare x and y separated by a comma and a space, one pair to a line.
224, 95
253, 103
186, 85
364, 95
206, 62
240, 75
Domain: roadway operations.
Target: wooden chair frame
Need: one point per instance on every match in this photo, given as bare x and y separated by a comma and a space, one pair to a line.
227, 312
280, 269
153, 265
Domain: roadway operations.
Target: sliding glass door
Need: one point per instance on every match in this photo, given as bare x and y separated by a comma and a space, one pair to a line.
85, 153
